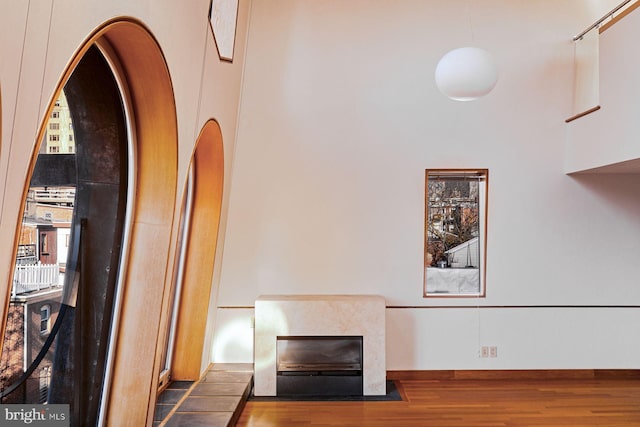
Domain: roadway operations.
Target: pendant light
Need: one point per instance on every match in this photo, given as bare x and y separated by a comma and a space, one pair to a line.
466, 74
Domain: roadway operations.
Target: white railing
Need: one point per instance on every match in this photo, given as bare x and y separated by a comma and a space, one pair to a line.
34, 277
55, 195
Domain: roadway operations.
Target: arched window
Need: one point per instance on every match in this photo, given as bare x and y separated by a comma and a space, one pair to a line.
123, 232
85, 193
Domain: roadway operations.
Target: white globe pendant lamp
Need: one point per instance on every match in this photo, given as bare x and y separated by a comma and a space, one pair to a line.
466, 74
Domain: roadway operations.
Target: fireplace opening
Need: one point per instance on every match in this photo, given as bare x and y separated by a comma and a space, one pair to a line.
319, 366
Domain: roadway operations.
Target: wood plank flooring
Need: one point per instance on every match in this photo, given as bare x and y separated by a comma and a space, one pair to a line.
469, 403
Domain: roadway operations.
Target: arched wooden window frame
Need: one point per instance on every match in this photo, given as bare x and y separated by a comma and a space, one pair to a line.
147, 276
145, 279
208, 175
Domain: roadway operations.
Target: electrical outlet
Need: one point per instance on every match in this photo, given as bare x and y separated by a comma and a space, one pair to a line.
493, 351
484, 351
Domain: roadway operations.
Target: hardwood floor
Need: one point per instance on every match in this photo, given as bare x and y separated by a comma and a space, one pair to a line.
469, 403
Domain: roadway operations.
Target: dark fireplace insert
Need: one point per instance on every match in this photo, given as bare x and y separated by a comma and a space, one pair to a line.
319, 366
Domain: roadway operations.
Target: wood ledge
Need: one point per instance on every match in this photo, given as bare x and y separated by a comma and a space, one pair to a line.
584, 113
618, 17
527, 374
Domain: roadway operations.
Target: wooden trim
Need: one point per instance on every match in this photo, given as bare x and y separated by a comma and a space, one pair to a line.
147, 279
617, 18
236, 307
208, 164
584, 113
163, 382
525, 374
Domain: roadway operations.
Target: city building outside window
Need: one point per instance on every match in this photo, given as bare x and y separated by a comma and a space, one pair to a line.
455, 232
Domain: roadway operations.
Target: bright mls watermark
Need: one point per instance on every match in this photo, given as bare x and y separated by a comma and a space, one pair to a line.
34, 415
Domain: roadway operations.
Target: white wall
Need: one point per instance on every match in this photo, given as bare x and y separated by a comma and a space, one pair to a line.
340, 117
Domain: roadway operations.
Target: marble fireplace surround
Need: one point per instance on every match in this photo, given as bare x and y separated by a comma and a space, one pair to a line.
320, 315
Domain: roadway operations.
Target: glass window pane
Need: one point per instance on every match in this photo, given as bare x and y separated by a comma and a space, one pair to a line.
455, 215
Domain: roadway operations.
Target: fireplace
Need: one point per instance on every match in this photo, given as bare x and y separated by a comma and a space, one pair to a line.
278, 317
319, 366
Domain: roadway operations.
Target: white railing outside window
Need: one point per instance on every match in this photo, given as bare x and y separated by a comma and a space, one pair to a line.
35, 277
55, 195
